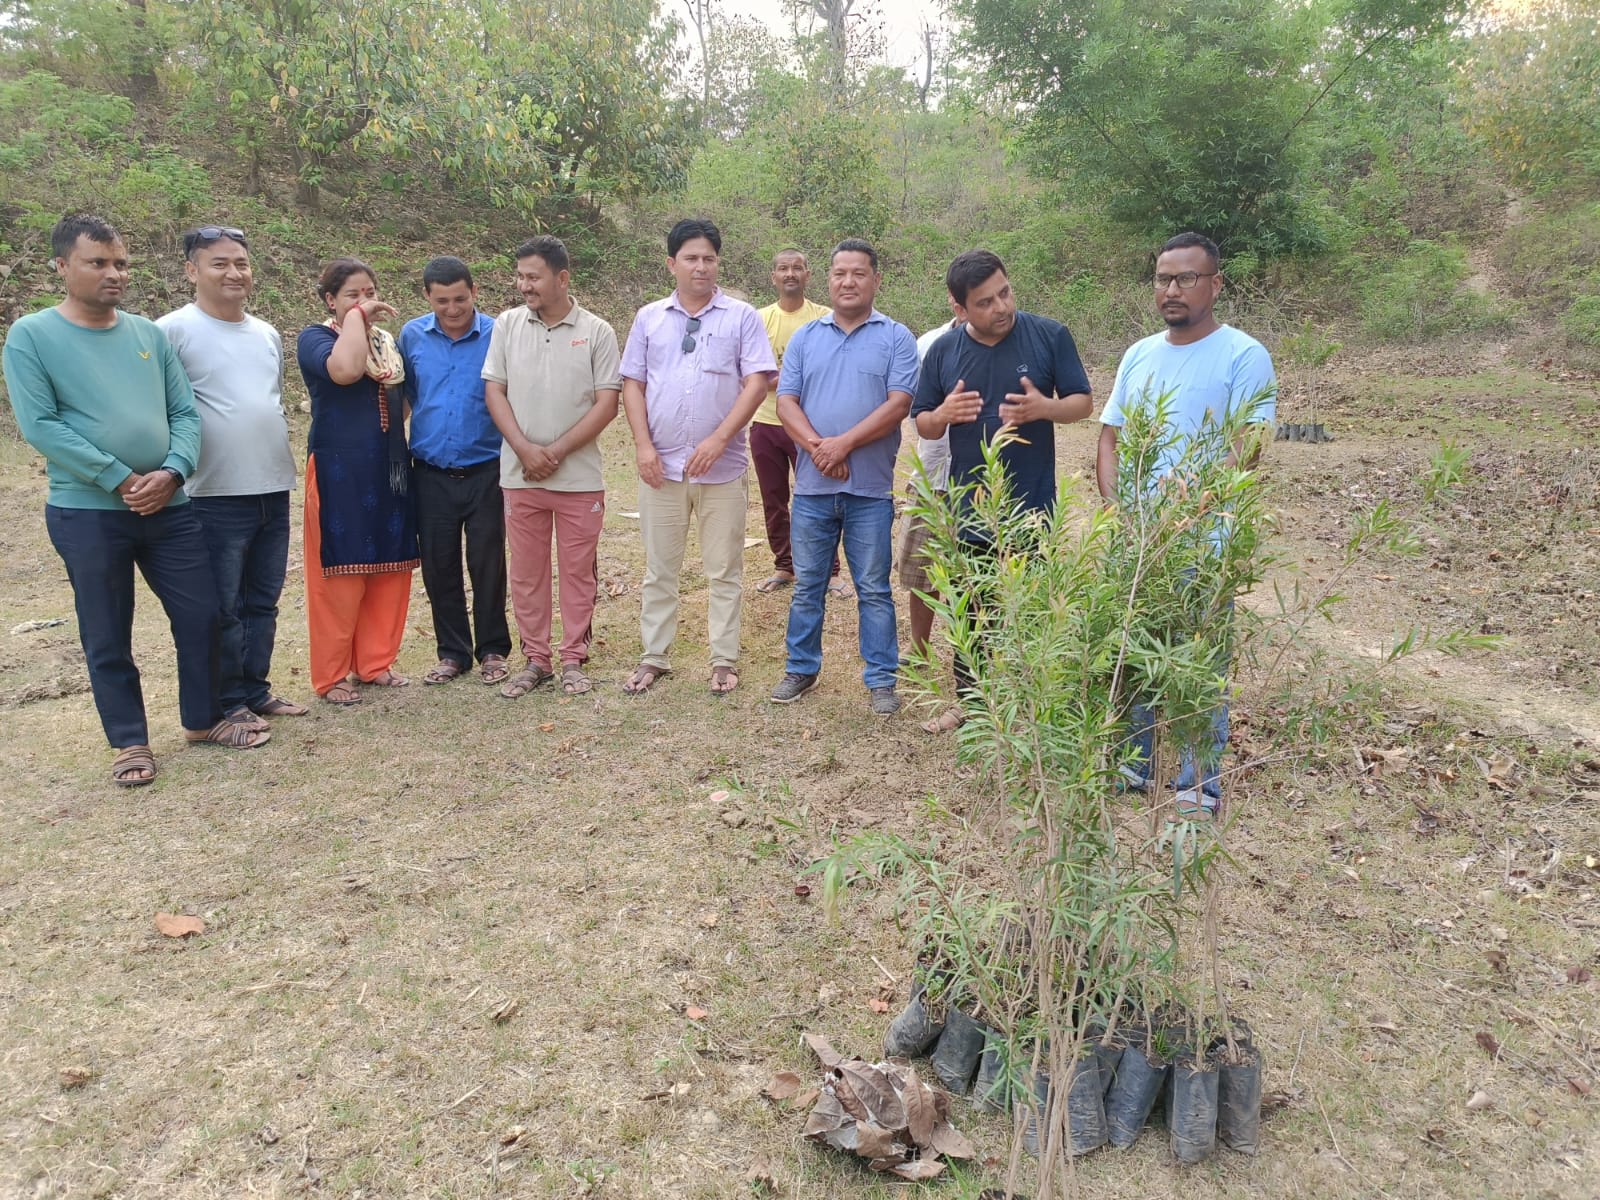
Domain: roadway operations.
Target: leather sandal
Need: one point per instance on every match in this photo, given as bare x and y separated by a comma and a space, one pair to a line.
229, 734
444, 671
128, 766
526, 680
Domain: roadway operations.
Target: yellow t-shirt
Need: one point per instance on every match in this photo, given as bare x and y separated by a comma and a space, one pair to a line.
781, 326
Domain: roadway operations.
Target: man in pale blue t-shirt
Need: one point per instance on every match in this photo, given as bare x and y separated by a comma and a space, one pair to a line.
240, 487
1208, 371
846, 385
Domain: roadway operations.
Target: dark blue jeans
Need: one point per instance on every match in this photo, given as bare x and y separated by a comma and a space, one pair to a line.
818, 524
100, 549
248, 541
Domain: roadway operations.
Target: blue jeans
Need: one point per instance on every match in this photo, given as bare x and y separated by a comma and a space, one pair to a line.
1202, 761
100, 548
817, 526
248, 541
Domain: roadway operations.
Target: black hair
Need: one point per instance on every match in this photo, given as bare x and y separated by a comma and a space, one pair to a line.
968, 269
690, 228
195, 240
854, 246
336, 273
552, 249
445, 270
75, 225
1185, 241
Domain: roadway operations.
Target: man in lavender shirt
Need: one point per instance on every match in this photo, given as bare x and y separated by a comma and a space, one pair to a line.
695, 369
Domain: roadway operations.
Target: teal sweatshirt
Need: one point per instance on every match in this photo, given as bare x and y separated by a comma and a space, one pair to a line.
100, 404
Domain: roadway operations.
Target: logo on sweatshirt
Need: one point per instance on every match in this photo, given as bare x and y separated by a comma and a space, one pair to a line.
144, 354
580, 341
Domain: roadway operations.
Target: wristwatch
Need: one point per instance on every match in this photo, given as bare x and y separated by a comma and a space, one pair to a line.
175, 473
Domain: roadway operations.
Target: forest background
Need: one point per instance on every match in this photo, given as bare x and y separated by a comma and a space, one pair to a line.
1355, 159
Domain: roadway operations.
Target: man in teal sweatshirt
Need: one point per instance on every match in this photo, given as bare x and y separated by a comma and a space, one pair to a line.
102, 395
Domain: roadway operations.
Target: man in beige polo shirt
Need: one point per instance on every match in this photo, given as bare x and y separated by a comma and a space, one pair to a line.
552, 383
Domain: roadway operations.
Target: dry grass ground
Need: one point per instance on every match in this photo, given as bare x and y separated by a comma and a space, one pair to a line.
379, 884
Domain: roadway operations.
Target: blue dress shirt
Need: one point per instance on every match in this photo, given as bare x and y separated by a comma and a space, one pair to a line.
450, 423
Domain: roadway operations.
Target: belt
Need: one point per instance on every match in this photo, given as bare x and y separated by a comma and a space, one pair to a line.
459, 472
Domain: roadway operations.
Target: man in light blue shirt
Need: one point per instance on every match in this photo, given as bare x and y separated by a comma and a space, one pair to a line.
1208, 372
846, 385
455, 449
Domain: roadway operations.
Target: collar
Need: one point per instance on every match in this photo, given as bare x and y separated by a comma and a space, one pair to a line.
873, 318
480, 320
718, 300
570, 319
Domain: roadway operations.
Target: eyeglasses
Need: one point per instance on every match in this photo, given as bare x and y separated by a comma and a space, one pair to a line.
199, 239
1184, 279
690, 328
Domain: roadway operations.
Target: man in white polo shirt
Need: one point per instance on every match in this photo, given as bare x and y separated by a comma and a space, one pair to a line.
552, 383
240, 488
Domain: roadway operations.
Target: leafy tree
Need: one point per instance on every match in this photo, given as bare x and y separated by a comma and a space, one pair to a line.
1199, 114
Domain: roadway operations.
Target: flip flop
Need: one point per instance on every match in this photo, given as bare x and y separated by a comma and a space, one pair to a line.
573, 681
443, 671
773, 583
950, 720
389, 678
493, 668
526, 680
644, 678
342, 694
130, 760
723, 675
839, 588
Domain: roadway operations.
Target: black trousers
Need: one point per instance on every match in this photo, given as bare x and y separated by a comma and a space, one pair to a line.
100, 549
453, 505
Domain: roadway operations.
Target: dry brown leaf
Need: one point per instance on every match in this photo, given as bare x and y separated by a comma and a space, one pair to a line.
827, 1116
759, 1175
920, 1116
818, 1045
807, 1098
74, 1077
877, 1005
785, 1085
708, 920
951, 1142
1487, 1043
178, 925
1579, 1085
921, 1169
695, 1013
848, 1099
874, 1141
1388, 1027
1577, 975
876, 1093
506, 1011
1479, 1101
547, 726
1496, 959
1499, 771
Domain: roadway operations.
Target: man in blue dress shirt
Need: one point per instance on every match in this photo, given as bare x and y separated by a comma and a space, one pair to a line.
455, 448
845, 387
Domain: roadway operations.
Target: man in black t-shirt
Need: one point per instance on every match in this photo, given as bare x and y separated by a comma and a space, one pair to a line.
1000, 368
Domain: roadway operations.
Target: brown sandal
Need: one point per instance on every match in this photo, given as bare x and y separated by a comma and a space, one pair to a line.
277, 706
644, 678
389, 678
493, 669
573, 681
342, 694
247, 718
950, 720
526, 680
724, 680
444, 671
127, 766
229, 734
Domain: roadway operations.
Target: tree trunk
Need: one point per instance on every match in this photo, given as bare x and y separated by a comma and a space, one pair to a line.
142, 65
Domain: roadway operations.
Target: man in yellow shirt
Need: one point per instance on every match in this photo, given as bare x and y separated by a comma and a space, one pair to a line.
771, 449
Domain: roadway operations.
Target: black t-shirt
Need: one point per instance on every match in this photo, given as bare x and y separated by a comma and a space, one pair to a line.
1037, 347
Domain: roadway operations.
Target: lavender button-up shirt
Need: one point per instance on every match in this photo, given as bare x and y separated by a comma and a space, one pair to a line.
688, 395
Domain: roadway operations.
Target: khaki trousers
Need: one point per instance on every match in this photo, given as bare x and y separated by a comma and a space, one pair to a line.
664, 516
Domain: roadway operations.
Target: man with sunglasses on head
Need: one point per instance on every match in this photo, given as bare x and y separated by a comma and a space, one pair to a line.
240, 487
1207, 371
694, 371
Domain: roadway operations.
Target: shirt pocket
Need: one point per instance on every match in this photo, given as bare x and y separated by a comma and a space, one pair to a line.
720, 355
874, 364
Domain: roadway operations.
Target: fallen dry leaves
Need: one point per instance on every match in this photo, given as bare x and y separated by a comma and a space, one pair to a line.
177, 925
881, 1112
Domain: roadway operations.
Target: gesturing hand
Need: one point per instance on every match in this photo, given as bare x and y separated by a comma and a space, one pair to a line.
962, 405
1027, 405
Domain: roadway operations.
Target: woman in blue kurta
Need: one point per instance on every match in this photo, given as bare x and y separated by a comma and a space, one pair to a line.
360, 521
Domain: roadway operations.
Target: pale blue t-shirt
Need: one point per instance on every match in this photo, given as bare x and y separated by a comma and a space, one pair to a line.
1214, 376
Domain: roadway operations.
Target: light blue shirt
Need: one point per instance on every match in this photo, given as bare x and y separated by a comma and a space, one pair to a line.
1212, 378
450, 422
838, 379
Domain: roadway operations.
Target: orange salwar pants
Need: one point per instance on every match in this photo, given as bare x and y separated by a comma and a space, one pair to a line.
356, 621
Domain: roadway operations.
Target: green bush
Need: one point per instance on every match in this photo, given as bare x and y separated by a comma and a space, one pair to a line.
1421, 295
1581, 321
